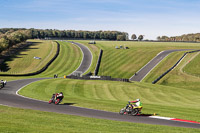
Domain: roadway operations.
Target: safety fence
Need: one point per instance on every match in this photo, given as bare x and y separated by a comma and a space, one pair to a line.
161, 76
97, 78
42, 69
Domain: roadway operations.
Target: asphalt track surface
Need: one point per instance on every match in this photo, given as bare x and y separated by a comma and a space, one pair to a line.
87, 58
141, 74
9, 97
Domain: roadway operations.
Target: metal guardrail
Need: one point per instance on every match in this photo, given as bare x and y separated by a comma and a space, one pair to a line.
97, 78
161, 76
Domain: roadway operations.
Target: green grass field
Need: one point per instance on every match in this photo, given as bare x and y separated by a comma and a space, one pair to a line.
24, 61
181, 77
185, 75
68, 61
193, 66
123, 63
24, 120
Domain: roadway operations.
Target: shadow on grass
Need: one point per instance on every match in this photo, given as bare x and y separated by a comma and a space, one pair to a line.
15, 53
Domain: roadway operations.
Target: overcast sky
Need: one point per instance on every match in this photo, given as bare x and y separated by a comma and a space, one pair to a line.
151, 18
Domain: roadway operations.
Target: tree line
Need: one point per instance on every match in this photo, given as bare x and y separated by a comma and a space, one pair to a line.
183, 38
13, 36
72, 34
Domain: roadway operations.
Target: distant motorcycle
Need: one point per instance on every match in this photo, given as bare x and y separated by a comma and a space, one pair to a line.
130, 109
1, 85
56, 98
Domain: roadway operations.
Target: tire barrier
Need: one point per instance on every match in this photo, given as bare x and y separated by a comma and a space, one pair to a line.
41, 70
97, 78
155, 81
98, 63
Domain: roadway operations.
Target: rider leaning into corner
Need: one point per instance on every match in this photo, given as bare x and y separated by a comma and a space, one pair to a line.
59, 94
56, 98
137, 103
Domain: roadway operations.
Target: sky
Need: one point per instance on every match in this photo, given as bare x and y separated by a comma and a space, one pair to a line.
151, 18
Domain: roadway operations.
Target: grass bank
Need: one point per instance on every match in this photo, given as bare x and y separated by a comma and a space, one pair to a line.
123, 63
185, 75
24, 61
193, 65
67, 61
24, 120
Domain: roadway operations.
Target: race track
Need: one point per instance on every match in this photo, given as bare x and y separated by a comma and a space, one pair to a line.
87, 58
9, 97
140, 75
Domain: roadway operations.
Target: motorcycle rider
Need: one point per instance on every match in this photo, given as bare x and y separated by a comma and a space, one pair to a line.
56, 96
137, 102
59, 94
129, 105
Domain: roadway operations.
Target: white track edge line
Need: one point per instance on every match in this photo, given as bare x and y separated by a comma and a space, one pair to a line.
47, 101
160, 117
81, 60
154, 67
146, 64
91, 55
25, 96
83, 57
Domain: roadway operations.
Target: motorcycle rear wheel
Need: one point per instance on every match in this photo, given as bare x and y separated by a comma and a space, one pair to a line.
134, 112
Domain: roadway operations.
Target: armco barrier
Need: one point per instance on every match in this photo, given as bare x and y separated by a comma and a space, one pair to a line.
41, 70
98, 63
97, 78
155, 81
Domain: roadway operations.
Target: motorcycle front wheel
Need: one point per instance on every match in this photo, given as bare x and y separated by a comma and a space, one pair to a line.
57, 101
121, 112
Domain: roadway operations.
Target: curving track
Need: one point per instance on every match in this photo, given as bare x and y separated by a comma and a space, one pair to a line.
87, 58
9, 97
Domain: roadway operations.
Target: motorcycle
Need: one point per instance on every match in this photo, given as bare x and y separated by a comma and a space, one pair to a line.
1, 85
56, 99
131, 110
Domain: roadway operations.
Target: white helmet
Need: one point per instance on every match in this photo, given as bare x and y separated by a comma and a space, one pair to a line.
138, 100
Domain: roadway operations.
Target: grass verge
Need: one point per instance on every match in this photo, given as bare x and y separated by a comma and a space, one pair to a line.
24, 61
25, 120
185, 75
67, 61
123, 63
163, 66
193, 66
